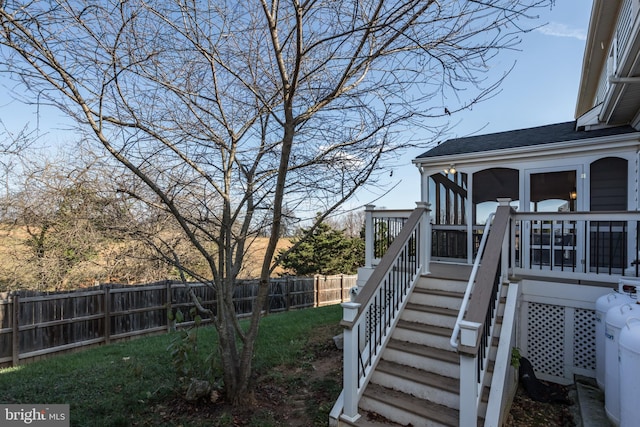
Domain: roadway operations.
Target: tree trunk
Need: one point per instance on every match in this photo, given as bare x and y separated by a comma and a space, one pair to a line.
236, 375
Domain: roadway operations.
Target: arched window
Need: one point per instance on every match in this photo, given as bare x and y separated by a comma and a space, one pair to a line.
491, 184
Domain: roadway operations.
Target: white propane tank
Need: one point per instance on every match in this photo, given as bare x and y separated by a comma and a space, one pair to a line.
603, 304
630, 372
615, 320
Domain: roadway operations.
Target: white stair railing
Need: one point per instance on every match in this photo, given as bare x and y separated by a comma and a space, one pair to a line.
370, 319
501, 381
477, 328
472, 280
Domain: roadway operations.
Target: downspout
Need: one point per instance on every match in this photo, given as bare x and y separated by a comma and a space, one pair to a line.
631, 249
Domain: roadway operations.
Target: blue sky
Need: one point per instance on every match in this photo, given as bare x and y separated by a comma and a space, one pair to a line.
541, 89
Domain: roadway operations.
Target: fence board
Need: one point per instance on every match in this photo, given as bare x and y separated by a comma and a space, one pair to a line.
36, 324
5, 328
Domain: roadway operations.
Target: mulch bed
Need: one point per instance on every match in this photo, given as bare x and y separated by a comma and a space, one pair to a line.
526, 412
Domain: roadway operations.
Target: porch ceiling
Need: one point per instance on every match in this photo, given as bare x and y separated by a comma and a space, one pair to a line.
628, 105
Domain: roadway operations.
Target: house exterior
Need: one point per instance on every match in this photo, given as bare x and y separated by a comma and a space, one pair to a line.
516, 236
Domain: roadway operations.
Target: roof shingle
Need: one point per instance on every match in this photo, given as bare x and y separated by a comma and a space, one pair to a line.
548, 134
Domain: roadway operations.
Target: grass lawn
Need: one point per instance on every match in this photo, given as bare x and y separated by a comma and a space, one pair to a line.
134, 382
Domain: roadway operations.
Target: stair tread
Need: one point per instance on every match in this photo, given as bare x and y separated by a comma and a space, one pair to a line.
424, 328
441, 382
432, 309
423, 408
449, 271
425, 351
439, 292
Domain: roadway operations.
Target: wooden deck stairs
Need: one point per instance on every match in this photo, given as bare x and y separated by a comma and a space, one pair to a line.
416, 382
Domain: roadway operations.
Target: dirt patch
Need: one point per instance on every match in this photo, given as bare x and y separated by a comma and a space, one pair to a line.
291, 396
525, 412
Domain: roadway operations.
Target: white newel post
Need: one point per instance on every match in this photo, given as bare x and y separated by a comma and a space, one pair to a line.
369, 235
350, 362
504, 261
425, 236
468, 375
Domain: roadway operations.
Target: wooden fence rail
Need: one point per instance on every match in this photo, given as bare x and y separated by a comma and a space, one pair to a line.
37, 324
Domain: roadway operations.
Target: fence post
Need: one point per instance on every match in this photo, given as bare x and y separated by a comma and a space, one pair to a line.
15, 333
267, 308
107, 314
341, 288
169, 305
287, 296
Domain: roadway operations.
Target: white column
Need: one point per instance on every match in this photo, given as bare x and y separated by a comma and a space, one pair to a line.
425, 236
424, 184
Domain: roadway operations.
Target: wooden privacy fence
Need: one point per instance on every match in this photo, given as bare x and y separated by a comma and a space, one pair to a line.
37, 324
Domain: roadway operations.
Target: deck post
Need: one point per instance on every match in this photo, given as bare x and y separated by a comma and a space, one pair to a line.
369, 237
425, 237
504, 273
350, 362
468, 374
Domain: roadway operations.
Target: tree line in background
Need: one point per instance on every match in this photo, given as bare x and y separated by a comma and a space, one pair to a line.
63, 225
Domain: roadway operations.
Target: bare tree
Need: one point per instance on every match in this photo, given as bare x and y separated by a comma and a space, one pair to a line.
351, 223
12, 147
67, 212
225, 108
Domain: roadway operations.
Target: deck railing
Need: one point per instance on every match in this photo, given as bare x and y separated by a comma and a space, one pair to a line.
381, 229
477, 328
596, 246
371, 317
576, 245
470, 284
569, 245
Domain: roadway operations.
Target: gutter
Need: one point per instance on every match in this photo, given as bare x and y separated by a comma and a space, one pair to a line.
624, 80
